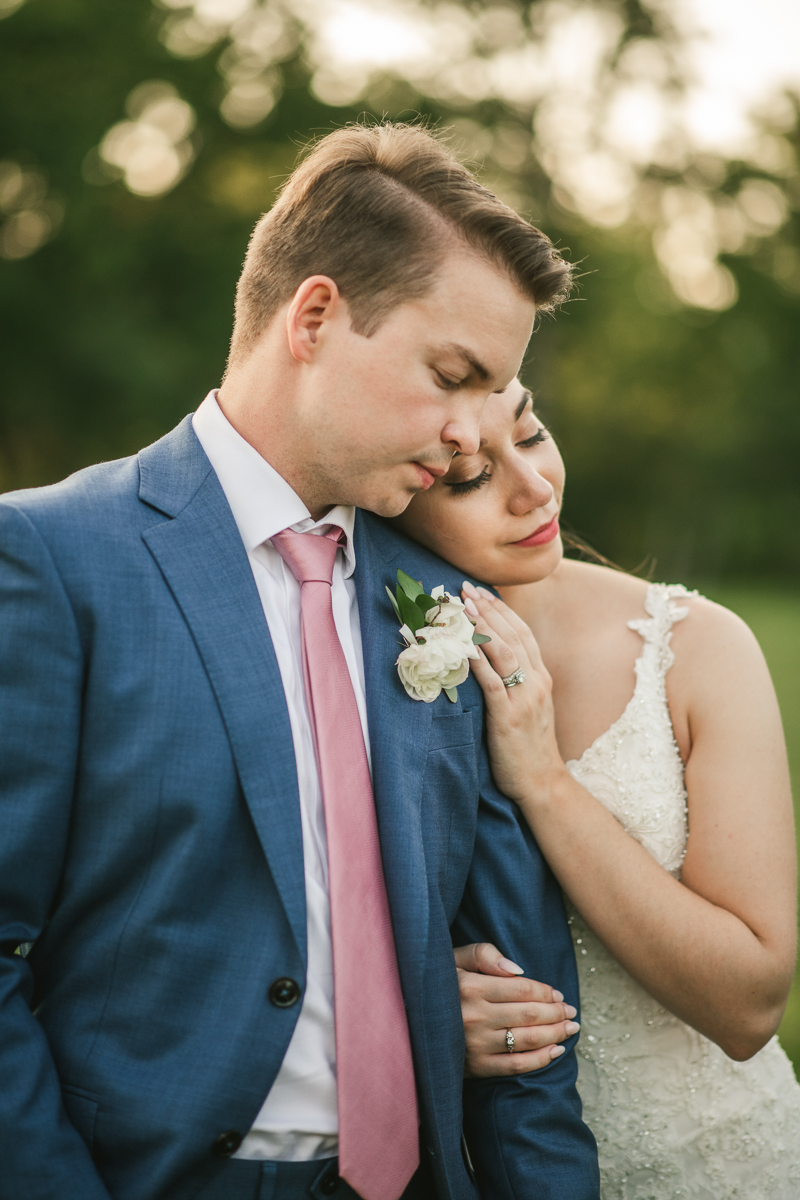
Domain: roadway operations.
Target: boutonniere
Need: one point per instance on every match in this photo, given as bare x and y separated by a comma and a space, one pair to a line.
440, 640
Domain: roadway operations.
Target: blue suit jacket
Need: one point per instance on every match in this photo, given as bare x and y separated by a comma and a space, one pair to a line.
150, 849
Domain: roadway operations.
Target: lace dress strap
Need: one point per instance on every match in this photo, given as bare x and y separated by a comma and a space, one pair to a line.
672, 1114
656, 630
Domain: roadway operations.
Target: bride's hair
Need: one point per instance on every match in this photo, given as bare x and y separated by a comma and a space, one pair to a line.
377, 208
576, 547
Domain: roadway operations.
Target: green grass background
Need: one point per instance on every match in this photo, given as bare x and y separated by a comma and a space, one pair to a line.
774, 617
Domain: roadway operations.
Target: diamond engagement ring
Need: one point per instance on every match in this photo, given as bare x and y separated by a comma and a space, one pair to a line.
512, 680
510, 1043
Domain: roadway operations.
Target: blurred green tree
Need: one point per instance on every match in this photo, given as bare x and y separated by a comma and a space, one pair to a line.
140, 141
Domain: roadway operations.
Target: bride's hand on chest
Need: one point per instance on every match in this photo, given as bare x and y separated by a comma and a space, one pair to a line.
520, 719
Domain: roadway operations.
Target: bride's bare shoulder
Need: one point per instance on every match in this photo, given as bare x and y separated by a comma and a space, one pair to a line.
713, 647
595, 593
616, 596
717, 658
584, 603
579, 601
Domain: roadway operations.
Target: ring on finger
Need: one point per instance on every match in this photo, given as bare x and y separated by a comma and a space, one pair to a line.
514, 678
510, 1041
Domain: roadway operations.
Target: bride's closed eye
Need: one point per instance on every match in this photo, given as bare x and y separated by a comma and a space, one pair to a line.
465, 486
469, 485
541, 435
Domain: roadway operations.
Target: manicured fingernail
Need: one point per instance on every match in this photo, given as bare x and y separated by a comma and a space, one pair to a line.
555, 1051
469, 588
571, 1027
486, 595
570, 1011
557, 995
469, 605
507, 965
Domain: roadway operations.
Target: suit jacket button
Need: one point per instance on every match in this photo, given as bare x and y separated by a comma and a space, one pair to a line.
284, 993
227, 1143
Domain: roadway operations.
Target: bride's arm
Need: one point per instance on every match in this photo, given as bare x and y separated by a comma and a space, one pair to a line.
718, 947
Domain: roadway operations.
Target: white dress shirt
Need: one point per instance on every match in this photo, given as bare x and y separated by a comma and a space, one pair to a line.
298, 1119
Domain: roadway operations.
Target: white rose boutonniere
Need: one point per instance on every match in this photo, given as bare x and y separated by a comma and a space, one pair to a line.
440, 640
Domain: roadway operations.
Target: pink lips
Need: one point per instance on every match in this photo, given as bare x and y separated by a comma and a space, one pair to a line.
427, 475
542, 535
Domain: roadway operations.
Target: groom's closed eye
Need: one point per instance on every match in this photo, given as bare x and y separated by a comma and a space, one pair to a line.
477, 369
448, 384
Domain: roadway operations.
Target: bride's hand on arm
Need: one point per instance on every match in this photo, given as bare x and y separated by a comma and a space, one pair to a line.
495, 998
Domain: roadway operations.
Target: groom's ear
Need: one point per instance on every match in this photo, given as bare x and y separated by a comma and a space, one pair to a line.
315, 303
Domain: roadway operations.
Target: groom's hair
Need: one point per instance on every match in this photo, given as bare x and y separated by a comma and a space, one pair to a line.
376, 208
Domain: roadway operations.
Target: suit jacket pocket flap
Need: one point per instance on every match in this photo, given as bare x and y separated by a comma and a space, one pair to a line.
450, 729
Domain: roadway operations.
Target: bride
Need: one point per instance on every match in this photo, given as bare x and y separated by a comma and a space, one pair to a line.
644, 748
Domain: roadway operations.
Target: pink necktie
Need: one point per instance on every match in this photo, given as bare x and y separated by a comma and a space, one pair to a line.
377, 1100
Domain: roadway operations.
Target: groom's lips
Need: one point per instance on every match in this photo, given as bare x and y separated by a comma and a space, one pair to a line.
427, 475
542, 535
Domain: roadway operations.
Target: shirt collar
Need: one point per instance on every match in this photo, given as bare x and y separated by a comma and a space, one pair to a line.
261, 500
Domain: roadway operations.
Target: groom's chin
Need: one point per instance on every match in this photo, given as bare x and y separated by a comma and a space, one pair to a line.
377, 494
392, 505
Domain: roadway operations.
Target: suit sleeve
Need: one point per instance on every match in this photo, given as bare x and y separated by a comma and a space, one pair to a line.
41, 670
525, 1135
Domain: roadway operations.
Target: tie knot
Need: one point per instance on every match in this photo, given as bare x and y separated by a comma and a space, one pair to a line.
309, 556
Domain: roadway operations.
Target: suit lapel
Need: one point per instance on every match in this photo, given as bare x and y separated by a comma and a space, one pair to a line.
205, 565
399, 732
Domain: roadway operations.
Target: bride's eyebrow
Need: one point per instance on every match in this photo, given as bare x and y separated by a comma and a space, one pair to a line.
527, 398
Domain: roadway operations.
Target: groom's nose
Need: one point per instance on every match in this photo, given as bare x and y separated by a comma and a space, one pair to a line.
463, 434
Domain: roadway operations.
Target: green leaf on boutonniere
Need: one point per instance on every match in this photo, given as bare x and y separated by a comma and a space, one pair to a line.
478, 638
409, 613
452, 694
409, 586
426, 603
395, 606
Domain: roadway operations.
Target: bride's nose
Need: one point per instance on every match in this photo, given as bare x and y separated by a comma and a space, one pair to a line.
529, 490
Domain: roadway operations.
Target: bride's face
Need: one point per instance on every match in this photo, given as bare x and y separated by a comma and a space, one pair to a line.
494, 515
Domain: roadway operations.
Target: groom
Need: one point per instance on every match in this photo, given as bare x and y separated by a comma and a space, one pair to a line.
233, 848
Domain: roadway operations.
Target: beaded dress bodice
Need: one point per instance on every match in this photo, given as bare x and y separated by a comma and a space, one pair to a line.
674, 1117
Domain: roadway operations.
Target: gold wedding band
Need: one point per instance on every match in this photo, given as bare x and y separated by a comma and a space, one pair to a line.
510, 1043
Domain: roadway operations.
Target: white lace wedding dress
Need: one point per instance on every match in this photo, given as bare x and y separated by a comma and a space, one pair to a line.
674, 1117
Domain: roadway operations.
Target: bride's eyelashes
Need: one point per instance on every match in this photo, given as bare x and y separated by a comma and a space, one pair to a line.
469, 485
465, 486
541, 435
